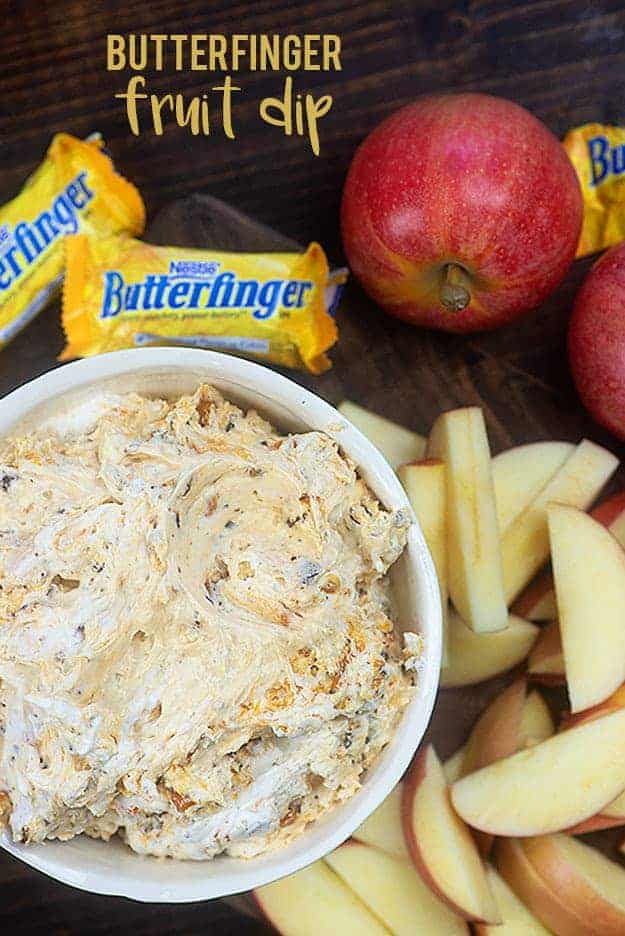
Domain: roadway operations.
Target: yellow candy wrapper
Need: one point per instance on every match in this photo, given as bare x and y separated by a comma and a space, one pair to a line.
74, 189
123, 293
598, 154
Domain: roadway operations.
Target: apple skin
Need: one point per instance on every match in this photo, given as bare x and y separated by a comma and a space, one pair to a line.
466, 179
597, 341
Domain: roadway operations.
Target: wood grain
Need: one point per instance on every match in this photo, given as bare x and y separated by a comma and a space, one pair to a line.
565, 59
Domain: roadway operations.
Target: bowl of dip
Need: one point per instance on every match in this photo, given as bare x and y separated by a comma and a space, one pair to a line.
171, 373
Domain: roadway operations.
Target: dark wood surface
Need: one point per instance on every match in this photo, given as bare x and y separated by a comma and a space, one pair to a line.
565, 60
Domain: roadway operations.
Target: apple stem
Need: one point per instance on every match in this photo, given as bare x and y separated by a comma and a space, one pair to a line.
453, 293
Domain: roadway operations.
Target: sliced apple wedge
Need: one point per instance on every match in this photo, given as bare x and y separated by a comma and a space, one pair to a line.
589, 573
536, 721
536, 725
316, 900
538, 600
474, 657
384, 828
548, 787
394, 892
520, 473
474, 549
397, 444
516, 918
546, 904
525, 544
441, 846
614, 813
590, 885
454, 766
425, 485
545, 663
496, 734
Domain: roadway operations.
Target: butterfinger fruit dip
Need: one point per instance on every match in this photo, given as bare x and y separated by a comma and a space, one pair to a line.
122, 293
199, 650
74, 189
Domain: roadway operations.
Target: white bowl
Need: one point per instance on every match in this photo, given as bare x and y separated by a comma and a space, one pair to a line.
112, 868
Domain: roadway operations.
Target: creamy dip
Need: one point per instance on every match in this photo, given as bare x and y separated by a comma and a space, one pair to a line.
197, 648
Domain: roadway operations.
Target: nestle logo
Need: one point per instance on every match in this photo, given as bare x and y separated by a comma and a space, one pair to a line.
194, 269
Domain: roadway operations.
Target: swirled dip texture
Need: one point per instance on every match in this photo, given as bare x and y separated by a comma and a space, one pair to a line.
196, 634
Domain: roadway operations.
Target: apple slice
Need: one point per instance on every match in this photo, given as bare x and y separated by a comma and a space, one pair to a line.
538, 601
590, 885
536, 725
589, 572
550, 786
441, 846
384, 829
536, 721
517, 920
474, 549
546, 661
520, 473
614, 813
497, 732
525, 544
474, 657
454, 766
546, 904
394, 892
397, 444
315, 900
425, 485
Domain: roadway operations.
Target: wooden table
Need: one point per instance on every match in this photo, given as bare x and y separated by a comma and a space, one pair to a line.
565, 60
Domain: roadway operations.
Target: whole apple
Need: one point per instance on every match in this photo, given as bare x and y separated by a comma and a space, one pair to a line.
597, 341
460, 212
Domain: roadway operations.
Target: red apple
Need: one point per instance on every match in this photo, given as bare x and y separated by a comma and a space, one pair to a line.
460, 212
597, 341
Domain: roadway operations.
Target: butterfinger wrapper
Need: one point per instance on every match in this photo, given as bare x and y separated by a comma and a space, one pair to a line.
123, 293
598, 154
75, 189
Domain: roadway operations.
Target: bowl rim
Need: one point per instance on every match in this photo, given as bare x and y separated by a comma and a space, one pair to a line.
300, 403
